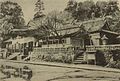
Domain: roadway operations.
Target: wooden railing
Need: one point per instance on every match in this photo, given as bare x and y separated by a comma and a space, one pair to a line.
93, 48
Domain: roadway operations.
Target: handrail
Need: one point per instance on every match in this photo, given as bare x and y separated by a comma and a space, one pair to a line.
102, 47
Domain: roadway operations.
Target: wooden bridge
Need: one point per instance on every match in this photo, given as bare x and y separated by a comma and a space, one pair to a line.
93, 48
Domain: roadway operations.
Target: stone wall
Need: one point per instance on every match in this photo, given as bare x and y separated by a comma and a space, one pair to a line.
65, 55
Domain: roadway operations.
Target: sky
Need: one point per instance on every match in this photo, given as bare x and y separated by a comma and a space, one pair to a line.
28, 6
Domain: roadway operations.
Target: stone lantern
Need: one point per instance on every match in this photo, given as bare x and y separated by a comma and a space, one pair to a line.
40, 43
104, 40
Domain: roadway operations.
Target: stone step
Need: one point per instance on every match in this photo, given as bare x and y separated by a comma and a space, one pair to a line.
79, 59
77, 62
13, 55
81, 56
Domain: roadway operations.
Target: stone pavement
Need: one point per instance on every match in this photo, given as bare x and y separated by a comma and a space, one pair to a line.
63, 65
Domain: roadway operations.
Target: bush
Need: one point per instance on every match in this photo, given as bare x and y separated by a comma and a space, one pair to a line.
118, 65
91, 61
114, 64
84, 62
111, 64
100, 58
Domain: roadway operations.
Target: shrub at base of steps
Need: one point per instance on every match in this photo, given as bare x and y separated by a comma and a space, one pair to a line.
84, 62
114, 64
91, 61
118, 65
116, 59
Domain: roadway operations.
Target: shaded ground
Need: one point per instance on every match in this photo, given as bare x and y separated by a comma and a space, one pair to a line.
48, 73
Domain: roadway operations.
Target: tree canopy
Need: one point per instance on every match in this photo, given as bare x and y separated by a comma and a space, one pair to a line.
88, 9
39, 9
14, 12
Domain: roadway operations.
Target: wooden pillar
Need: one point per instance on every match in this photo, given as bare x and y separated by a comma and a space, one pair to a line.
37, 44
12, 51
40, 43
15, 48
19, 47
34, 44
83, 44
23, 48
27, 44
56, 42
6, 45
47, 38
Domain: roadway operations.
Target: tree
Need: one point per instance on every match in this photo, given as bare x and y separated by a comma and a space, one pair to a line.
39, 18
52, 23
86, 9
103, 6
39, 8
108, 8
112, 8
71, 7
65, 17
36, 23
5, 28
14, 12
81, 10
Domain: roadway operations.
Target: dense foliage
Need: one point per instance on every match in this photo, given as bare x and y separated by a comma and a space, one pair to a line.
13, 12
89, 9
39, 9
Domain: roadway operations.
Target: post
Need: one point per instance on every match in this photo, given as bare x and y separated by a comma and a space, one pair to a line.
37, 44
34, 44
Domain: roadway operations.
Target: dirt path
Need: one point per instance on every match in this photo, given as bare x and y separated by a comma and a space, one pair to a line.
49, 73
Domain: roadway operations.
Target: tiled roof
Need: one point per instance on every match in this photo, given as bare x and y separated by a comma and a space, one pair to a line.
89, 26
68, 31
93, 25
